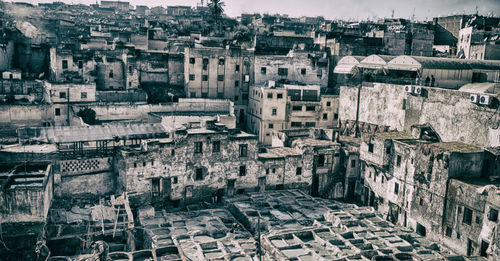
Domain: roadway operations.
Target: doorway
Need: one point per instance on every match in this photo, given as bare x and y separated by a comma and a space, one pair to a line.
230, 187
262, 184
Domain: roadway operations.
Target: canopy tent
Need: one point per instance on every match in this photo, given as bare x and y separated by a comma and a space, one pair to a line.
376, 61
348, 64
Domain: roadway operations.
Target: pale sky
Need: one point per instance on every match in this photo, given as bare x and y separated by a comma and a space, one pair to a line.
333, 9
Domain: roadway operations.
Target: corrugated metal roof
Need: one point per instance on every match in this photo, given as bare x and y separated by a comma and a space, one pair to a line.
67, 134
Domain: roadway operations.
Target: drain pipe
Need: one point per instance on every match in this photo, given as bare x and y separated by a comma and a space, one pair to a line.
356, 130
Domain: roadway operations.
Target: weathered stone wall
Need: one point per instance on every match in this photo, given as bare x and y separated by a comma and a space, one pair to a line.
314, 73
381, 104
27, 204
449, 112
25, 115
178, 162
462, 195
111, 75
228, 74
6, 55
94, 185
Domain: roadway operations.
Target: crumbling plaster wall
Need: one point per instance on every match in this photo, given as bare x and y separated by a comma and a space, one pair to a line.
381, 104
454, 117
314, 74
449, 112
139, 168
6, 55
462, 195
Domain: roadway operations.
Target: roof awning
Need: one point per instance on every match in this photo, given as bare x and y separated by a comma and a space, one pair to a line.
372, 66
346, 69
404, 67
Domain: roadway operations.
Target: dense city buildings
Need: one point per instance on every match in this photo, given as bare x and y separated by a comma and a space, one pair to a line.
180, 133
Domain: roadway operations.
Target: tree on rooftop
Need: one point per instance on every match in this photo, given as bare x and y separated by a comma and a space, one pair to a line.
88, 116
217, 9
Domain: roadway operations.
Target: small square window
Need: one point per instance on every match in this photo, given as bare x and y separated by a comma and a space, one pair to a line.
493, 215
199, 174
280, 95
216, 146
283, 71
303, 71
221, 61
467, 216
325, 116
319, 73
321, 160
205, 61
243, 150
274, 112
192, 77
263, 70
328, 104
271, 125
58, 112
298, 171
83, 95
192, 94
204, 77
269, 95
236, 98
62, 95
310, 108
243, 171
192, 60
198, 147
220, 78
